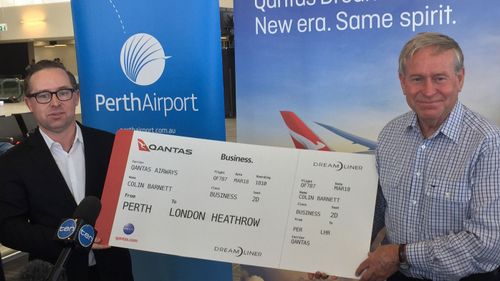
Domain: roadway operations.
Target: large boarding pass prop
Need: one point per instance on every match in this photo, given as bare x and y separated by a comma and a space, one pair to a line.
266, 206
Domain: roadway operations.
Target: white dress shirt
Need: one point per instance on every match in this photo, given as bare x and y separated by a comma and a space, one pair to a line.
72, 167
71, 164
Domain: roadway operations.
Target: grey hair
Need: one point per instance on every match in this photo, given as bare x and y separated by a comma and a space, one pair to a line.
441, 43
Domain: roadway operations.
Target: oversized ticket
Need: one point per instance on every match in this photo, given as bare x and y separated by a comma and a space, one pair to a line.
266, 206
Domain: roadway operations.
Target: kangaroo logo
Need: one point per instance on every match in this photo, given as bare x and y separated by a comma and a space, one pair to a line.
307, 143
142, 145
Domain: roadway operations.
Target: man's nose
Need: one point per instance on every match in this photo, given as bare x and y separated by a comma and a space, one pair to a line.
428, 87
55, 101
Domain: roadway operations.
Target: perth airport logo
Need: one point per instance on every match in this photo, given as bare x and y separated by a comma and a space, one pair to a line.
142, 59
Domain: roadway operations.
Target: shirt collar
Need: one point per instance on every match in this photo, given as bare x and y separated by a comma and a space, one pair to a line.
450, 127
50, 142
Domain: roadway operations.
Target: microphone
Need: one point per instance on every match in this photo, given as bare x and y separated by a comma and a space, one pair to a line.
77, 232
38, 270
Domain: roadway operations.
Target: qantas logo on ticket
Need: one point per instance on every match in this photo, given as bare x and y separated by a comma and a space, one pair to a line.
154, 147
142, 145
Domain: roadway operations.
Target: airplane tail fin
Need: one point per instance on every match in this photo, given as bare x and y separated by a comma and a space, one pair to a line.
302, 136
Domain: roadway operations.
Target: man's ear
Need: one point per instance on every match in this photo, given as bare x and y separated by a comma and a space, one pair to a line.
28, 103
461, 79
402, 83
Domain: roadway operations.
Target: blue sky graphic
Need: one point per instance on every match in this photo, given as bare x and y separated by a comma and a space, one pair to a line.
348, 78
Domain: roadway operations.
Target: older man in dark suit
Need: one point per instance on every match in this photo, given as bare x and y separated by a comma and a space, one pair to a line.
43, 179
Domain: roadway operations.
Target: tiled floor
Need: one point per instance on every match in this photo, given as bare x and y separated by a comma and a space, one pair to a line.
14, 266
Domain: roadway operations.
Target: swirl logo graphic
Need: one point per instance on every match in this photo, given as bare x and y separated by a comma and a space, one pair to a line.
142, 59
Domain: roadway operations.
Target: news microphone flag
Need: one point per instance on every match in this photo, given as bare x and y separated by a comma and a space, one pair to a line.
76, 232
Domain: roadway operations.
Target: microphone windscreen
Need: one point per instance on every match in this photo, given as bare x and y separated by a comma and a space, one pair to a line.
37, 270
88, 210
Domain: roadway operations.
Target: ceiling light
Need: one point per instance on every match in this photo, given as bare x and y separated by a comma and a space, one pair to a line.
33, 21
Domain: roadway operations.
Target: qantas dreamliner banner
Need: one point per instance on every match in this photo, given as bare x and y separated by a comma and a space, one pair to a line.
153, 66
322, 74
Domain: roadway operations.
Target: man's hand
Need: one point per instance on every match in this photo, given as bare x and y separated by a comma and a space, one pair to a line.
380, 264
98, 246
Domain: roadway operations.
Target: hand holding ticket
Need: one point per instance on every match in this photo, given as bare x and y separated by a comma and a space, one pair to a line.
258, 205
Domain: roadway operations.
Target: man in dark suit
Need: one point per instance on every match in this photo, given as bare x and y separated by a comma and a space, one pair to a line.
43, 179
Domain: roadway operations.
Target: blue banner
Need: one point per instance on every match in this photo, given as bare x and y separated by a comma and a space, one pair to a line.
335, 62
153, 66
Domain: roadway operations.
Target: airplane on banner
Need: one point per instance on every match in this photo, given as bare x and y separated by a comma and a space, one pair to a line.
304, 138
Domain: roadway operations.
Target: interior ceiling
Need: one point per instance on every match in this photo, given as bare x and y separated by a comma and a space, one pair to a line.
52, 42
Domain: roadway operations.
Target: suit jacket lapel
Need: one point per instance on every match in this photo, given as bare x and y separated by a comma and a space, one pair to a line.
45, 167
92, 154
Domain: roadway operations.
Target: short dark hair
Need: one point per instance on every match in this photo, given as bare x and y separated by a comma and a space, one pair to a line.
46, 64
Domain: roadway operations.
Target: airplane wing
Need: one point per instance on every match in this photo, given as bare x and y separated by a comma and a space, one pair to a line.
371, 145
302, 136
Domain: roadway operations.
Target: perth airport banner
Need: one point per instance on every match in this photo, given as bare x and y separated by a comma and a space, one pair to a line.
153, 66
323, 73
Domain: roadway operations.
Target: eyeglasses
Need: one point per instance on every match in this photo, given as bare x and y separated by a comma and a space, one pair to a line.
46, 96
